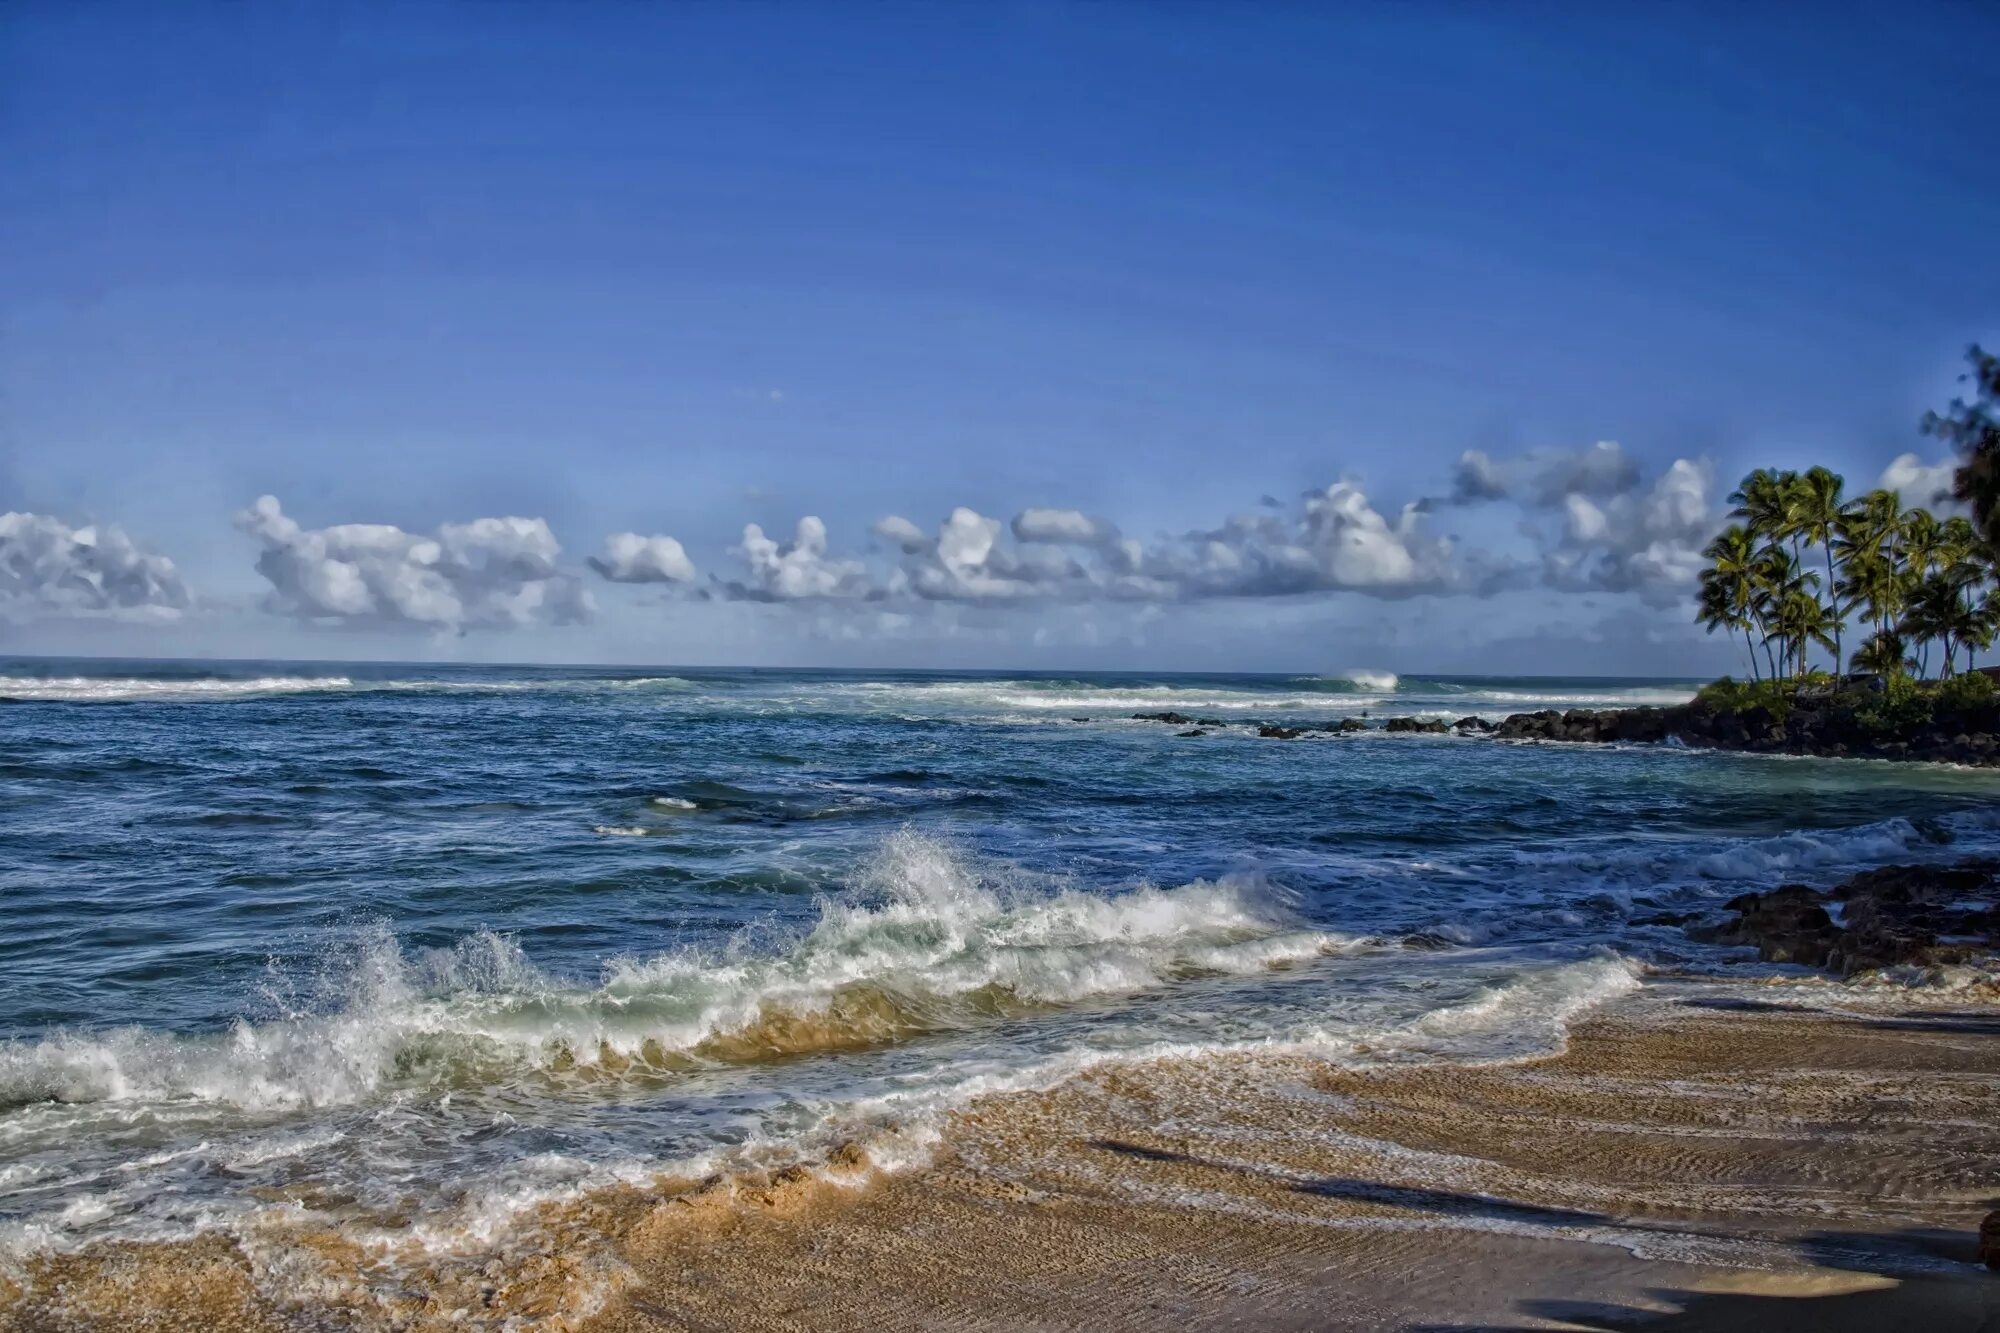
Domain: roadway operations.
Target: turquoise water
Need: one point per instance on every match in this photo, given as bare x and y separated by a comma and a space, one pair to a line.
405, 949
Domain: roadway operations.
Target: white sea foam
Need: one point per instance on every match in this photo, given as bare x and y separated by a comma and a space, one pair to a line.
1382, 682
86, 689
914, 951
672, 803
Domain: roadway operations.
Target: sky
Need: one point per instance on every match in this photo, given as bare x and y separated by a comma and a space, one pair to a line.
1150, 336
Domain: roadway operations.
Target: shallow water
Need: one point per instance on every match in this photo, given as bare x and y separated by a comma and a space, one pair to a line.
405, 949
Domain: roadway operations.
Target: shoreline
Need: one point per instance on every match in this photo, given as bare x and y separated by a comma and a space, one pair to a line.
1706, 1153
1967, 740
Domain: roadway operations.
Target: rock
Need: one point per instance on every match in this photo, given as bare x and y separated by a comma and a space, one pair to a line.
1347, 725
1989, 1241
1276, 733
1472, 724
1197, 731
1172, 719
1411, 724
1209, 722
1787, 925
1820, 722
1925, 916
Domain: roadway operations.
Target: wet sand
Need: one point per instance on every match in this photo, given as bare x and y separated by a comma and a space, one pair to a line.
1697, 1158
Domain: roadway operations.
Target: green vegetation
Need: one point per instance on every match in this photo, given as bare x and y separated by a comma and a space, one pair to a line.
1806, 569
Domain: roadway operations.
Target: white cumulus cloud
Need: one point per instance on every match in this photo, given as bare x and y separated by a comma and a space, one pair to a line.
1647, 541
48, 568
488, 573
1922, 485
631, 558
797, 570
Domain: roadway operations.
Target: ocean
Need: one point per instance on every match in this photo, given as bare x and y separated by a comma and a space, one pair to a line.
407, 952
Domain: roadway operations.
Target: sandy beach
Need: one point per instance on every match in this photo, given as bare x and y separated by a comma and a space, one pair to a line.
1700, 1156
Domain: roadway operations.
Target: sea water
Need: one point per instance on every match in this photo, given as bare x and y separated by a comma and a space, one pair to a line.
408, 950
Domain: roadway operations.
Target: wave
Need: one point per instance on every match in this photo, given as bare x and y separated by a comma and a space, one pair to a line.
85, 689
929, 943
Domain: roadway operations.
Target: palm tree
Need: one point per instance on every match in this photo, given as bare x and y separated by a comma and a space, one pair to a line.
1883, 653
1937, 611
1729, 587
1779, 582
1804, 620
1762, 502
1963, 562
1923, 542
1813, 513
1870, 531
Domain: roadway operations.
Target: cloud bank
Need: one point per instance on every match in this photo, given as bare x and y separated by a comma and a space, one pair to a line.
1576, 521
1591, 522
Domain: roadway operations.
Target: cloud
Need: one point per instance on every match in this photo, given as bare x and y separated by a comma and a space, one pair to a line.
902, 533
1544, 477
798, 570
1338, 541
1588, 521
1922, 485
1477, 478
48, 568
487, 574
631, 558
967, 562
1647, 541
1062, 527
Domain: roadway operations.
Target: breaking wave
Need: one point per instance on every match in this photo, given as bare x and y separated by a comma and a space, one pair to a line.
926, 944
86, 689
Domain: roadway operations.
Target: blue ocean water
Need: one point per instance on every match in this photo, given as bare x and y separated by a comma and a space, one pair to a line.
405, 949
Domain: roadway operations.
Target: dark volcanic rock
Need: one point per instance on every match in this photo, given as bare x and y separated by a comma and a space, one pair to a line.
1411, 724
1197, 731
1822, 723
1922, 915
1472, 724
1276, 733
1989, 1241
1787, 925
1173, 719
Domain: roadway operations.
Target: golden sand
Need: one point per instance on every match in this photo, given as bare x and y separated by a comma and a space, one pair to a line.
1695, 1159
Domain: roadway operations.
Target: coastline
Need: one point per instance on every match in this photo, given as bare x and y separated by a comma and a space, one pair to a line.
1701, 1154
1814, 728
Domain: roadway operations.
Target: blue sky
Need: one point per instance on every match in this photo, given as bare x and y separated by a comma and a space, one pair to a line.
1176, 270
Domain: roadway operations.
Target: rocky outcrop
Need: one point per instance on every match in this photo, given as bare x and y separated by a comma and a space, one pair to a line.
1585, 724
1829, 725
1924, 916
1275, 733
1411, 724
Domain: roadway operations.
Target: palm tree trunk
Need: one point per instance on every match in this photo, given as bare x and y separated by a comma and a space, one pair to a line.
1833, 601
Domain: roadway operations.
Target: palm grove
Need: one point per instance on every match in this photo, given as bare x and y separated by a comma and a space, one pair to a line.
1886, 590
